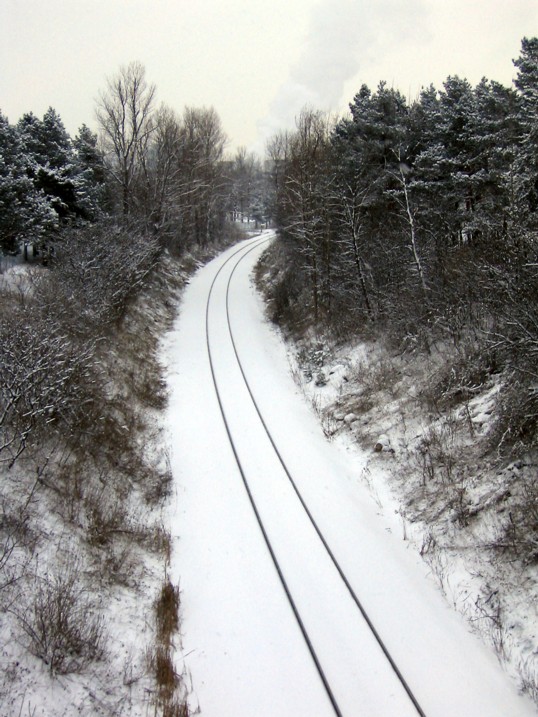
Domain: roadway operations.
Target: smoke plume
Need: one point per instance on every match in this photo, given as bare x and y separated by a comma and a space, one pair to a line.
342, 35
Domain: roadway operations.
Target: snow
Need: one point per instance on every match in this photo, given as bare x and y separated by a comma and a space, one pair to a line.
457, 519
119, 580
241, 644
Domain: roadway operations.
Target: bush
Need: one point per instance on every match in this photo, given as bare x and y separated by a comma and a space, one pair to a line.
106, 515
160, 658
45, 381
516, 430
94, 273
167, 612
461, 376
284, 287
520, 536
62, 625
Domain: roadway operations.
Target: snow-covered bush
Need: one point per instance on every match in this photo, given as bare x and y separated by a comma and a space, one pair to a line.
62, 623
520, 536
516, 431
45, 380
93, 274
106, 514
460, 374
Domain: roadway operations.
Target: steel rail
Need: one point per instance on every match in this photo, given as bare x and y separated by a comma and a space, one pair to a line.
333, 558
274, 559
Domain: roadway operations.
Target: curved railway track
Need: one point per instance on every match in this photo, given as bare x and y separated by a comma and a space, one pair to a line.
238, 256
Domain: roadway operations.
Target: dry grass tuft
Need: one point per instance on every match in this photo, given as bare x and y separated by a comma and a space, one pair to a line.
167, 612
62, 623
168, 702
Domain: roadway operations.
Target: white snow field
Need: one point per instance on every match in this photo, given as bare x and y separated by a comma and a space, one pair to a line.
242, 645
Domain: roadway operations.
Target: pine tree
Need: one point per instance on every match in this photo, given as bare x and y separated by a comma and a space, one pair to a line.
370, 148
527, 85
494, 138
90, 174
55, 167
25, 214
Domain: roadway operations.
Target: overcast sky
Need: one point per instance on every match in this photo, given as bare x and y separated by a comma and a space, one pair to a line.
256, 61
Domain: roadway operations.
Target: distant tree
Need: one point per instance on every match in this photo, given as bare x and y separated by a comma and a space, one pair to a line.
247, 180
277, 151
125, 112
203, 198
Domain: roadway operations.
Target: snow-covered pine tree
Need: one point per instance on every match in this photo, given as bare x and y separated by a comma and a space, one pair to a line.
25, 214
61, 178
90, 184
527, 85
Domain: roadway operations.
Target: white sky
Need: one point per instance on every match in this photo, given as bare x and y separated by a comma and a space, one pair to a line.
256, 61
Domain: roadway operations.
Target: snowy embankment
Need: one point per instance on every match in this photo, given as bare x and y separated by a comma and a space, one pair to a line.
84, 543
241, 644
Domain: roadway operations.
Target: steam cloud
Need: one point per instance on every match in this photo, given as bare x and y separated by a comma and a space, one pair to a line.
342, 32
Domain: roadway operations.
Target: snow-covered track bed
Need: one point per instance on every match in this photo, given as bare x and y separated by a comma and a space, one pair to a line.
325, 591
276, 542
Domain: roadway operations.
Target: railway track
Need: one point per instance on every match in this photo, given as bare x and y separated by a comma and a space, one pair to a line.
232, 264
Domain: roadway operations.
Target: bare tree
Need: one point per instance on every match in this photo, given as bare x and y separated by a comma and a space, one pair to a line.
349, 204
408, 211
163, 171
202, 182
302, 199
125, 112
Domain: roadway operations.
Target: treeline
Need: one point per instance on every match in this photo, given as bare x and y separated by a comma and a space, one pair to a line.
148, 167
84, 207
420, 220
98, 210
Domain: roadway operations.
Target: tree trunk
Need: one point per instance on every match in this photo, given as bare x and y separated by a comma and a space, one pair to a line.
362, 280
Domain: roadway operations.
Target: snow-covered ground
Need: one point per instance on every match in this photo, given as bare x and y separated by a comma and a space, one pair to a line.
115, 578
241, 644
430, 464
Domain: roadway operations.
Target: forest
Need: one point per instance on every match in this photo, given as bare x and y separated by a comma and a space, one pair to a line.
418, 222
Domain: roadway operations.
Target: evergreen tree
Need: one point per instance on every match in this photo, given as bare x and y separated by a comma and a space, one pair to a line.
370, 149
454, 158
527, 85
25, 213
55, 169
90, 173
493, 146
